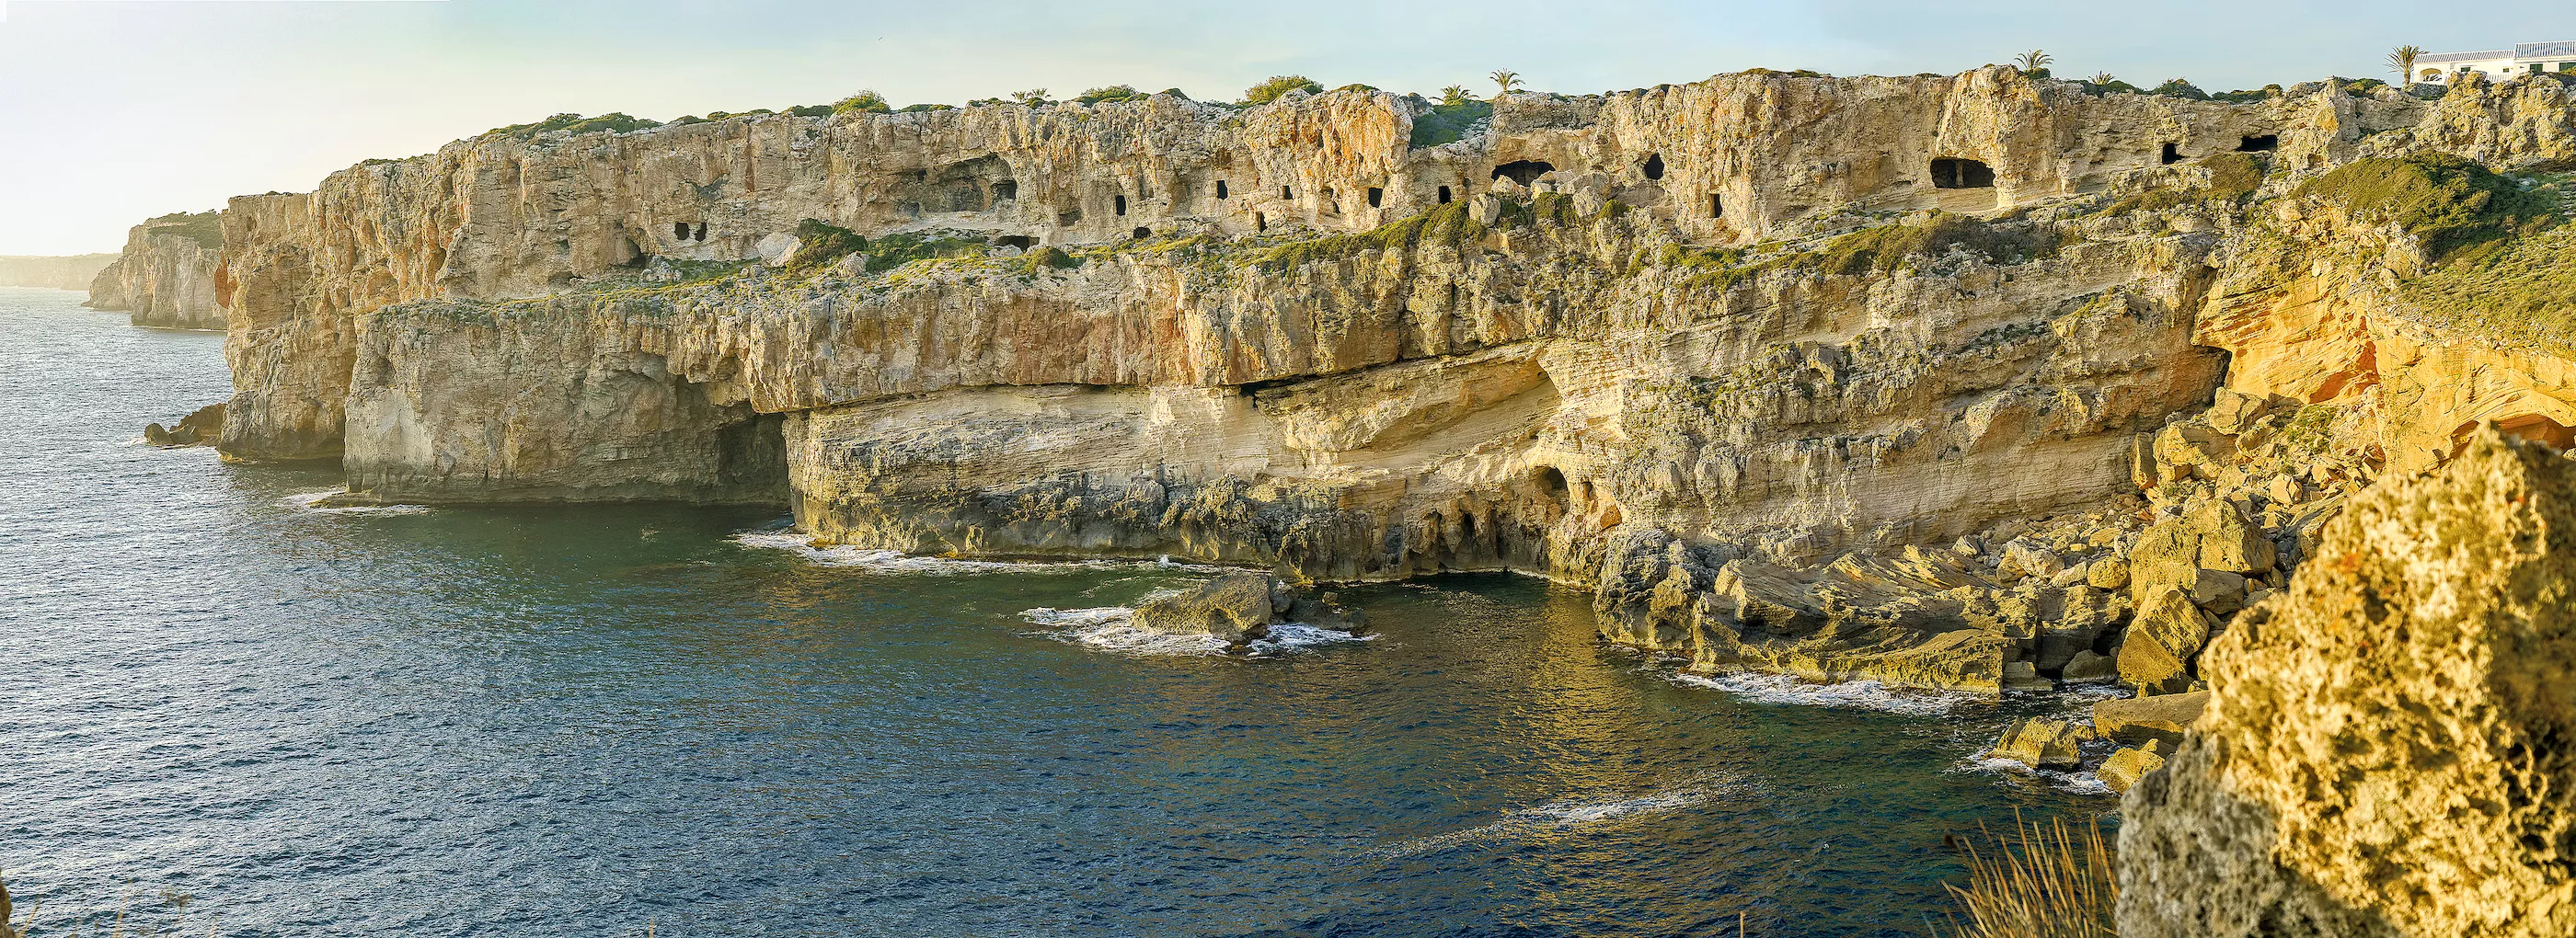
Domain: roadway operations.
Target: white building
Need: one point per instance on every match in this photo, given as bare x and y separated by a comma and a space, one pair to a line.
2498, 63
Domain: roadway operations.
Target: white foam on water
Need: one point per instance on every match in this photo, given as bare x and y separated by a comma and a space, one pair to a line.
2074, 783
1290, 636
310, 502
879, 560
1113, 628
1557, 816
1868, 695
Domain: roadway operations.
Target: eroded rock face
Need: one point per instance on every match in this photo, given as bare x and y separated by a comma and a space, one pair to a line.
2386, 754
1730, 394
166, 277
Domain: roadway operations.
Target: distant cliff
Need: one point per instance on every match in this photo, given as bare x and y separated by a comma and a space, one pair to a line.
166, 277
59, 273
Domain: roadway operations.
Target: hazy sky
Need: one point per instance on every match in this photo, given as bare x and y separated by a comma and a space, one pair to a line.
117, 110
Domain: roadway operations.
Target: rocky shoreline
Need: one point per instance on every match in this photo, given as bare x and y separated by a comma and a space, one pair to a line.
1980, 383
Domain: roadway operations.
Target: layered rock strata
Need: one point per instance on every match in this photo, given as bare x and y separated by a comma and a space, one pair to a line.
167, 276
1852, 378
2385, 752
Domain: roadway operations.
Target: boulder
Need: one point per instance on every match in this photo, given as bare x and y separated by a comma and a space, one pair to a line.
2210, 535
2231, 410
201, 428
2041, 743
2146, 719
2126, 767
2089, 668
2386, 753
1236, 607
2024, 675
2218, 591
2108, 573
2163, 639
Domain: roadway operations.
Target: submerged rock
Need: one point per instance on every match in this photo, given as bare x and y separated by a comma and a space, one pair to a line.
2387, 753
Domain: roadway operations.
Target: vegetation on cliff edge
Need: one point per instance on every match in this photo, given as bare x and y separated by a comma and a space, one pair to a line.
577, 124
2461, 211
204, 228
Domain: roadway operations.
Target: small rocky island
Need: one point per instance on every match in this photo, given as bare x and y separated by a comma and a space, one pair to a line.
1982, 383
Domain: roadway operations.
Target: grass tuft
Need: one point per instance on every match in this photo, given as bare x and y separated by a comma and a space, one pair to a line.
2461, 211
2043, 881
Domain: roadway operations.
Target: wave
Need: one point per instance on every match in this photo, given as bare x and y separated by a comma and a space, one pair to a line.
1113, 628
1557, 816
881, 560
310, 502
2081, 782
1867, 695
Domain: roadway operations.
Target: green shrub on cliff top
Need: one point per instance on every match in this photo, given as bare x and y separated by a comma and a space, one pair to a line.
2462, 212
1111, 95
615, 123
1448, 121
1278, 86
824, 243
205, 228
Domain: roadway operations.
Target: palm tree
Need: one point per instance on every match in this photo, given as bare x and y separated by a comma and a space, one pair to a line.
2033, 60
1453, 95
1508, 79
2403, 59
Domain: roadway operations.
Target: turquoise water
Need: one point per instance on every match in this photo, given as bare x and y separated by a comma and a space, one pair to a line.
222, 706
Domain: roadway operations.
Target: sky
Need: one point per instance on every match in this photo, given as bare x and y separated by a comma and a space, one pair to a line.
113, 111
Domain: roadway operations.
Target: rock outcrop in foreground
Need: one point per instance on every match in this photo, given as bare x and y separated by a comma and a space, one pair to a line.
2391, 747
1979, 382
167, 275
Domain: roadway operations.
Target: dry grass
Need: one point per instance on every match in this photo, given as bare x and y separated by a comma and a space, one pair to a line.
2044, 881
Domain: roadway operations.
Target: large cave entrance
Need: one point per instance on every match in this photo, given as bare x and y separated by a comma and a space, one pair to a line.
1958, 173
1525, 172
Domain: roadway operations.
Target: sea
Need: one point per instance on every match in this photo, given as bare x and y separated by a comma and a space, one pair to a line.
227, 711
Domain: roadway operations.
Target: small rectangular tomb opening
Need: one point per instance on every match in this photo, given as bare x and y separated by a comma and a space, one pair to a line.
2171, 155
2259, 143
1377, 197
1220, 188
1957, 173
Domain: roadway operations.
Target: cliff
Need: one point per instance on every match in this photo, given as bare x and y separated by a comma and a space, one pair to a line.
56, 273
167, 275
2385, 749
1892, 378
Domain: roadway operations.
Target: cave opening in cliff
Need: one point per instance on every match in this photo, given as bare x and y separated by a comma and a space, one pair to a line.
2172, 154
1284, 194
1716, 205
2259, 143
1143, 232
1444, 195
1654, 166
1552, 487
679, 231
1220, 188
1005, 190
1377, 197
1260, 222
1525, 172
1069, 217
1120, 204
1956, 173
701, 234
1023, 242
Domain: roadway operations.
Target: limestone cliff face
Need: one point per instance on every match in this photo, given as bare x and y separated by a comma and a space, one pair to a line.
166, 277
56, 273
2384, 752
1732, 354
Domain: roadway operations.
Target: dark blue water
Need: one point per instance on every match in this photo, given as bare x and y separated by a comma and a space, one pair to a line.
223, 708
